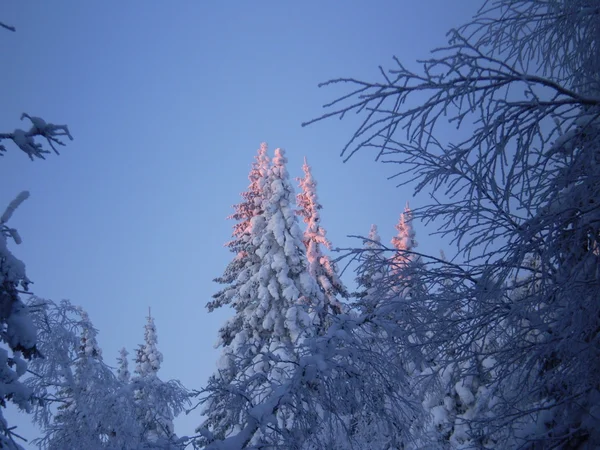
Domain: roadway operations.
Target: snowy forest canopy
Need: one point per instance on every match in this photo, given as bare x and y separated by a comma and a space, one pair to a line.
494, 346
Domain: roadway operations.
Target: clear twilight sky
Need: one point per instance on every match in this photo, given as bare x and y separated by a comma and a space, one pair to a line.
168, 103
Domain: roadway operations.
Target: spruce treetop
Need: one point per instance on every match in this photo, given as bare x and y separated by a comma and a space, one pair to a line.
123, 366
148, 357
404, 241
320, 266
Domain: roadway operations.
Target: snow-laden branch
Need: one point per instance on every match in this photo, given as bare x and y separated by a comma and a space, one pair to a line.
12, 206
25, 140
10, 209
510, 327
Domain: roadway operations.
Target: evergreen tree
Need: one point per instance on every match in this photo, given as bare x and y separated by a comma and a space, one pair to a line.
456, 393
370, 272
241, 245
157, 402
96, 409
148, 358
243, 214
276, 290
364, 426
404, 241
123, 367
285, 287
320, 266
404, 265
347, 389
18, 335
79, 397
220, 415
73, 375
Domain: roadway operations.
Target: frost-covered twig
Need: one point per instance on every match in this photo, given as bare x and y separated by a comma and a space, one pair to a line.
39, 128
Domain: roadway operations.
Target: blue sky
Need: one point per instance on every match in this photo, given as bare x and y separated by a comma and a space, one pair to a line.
168, 102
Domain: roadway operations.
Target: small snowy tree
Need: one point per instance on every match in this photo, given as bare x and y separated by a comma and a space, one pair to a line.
123, 373
157, 402
148, 358
320, 266
456, 392
392, 329
78, 400
370, 272
80, 403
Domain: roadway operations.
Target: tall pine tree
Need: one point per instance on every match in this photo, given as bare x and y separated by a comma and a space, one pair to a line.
241, 245
404, 241
405, 264
276, 291
320, 266
370, 273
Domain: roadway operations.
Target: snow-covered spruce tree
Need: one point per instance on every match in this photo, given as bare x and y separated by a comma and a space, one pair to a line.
366, 429
78, 402
148, 358
339, 377
241, 245
157, 402
404, 264
387, 279
219, 415
347, 389
525, 182
320, 266
455, 391
370, 271
404, 241
123, 373
17, 333
348, 383
406, 281
276, 292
